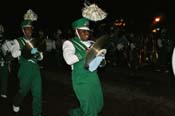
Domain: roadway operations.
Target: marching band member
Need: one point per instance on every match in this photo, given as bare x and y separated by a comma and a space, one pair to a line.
86, 83
4, 72
29, 70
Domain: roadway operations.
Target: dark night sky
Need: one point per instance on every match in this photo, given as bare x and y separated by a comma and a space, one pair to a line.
60, 14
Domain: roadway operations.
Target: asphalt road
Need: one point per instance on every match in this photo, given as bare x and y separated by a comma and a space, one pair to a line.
144, 92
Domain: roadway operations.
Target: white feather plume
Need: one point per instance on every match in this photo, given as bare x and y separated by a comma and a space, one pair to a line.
30, 15
93, 12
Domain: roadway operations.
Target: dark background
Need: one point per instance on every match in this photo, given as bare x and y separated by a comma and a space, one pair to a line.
60, 13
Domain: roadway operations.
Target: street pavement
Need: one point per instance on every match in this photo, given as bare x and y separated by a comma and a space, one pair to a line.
143, 92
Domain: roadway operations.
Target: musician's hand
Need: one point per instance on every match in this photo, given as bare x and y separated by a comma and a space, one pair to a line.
34, 51
103, 63
37, 55
102, 52
94, 64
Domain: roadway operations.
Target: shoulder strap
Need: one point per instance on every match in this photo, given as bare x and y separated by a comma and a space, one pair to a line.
78, 44
21, 42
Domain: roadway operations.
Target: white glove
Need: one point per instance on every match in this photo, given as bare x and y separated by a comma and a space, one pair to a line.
95, 63
34, 51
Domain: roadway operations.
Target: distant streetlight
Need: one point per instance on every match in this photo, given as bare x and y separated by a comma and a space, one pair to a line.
156, 19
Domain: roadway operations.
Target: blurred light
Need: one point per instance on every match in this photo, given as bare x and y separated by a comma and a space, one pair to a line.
156, 30
119, 23
157, 19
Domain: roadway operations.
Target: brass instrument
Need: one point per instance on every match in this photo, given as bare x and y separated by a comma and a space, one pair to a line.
101, 43
34, 43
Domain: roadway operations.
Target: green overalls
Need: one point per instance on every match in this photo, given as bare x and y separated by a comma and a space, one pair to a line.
30, 79
86, 85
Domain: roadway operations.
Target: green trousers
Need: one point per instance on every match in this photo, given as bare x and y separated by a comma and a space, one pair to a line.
4, 78
88, 90
30, 79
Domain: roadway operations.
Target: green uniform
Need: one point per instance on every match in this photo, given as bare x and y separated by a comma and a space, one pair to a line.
86, 85
30, 79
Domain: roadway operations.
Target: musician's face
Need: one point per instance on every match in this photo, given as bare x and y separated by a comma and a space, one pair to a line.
27, 31
84, 34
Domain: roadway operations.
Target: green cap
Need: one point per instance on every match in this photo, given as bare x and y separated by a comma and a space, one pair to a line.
26, 23
81, 23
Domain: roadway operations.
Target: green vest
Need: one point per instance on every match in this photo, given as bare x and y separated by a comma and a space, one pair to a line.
80, 48
22, 44
86, 84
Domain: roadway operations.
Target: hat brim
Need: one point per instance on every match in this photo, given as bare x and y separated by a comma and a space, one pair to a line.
27, 26
84, 28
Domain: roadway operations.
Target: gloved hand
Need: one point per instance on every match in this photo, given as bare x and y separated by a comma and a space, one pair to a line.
38, 56
102, 52
93, 65
34, 51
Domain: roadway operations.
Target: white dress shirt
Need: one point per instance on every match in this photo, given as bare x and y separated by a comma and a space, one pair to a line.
16, 51
69, 51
